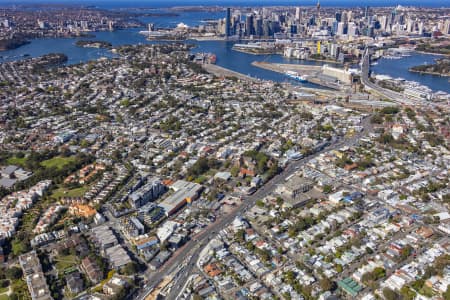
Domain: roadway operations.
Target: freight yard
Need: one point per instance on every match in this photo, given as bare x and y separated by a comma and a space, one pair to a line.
326, 76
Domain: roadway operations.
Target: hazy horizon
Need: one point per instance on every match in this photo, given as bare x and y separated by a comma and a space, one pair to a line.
169, 3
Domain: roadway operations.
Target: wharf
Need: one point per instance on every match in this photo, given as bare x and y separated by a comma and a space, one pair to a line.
311, 73
220, 71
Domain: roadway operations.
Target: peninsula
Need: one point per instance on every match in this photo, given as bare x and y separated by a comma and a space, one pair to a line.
93, 44
441, 68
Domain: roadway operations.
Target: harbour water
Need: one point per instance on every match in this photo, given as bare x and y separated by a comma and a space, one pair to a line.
399, 68
226, 57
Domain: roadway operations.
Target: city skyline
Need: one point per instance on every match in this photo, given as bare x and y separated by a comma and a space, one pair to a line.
157, 3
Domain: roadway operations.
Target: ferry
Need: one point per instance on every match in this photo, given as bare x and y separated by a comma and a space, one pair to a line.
295, 76
392, 57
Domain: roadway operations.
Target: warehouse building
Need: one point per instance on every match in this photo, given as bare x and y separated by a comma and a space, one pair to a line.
184, 192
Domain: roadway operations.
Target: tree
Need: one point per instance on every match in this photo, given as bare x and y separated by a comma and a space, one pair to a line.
13, 296
410, 113
367, 278
376, 119
441, 262
259, 203
202, 165
386, 139
240, 235
407, 293
390, 110
417, 285
339, 268
389, 294
4, 283
326, 284
289, 276
446, 294
379, 272
279, 201
327, 189
406, 252
14, 273
250, 247
263, 254
429, 271
369, 250
234, 171
130, 268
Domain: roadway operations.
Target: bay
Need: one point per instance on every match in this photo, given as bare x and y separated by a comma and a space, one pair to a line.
226, 57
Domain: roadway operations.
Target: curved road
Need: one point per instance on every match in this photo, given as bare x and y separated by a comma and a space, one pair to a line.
391, 95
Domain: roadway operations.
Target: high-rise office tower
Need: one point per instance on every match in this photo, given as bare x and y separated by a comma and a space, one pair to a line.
298, 15
266, 28
383, 22
366, 12
340, 28
334, 27
249, 30
318, 13
228, 22
293, 29
258, 25
352, 29
421, 28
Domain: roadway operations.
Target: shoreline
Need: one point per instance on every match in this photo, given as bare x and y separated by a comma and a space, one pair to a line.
280, 68
254, 53
221, 71
323, 60
428, 73
205, 39
432, 53
13, 46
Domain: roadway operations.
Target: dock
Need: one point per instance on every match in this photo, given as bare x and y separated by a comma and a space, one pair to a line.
313, 74
283, 68
223, 72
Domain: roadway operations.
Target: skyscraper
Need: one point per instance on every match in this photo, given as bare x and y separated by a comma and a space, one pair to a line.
298, 14
340, 28
421, 28
366, 12
334, 28
318, 13
258, 23
228, 22
249, 29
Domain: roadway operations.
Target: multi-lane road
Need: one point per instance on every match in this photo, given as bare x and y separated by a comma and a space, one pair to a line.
370, 86
189, 254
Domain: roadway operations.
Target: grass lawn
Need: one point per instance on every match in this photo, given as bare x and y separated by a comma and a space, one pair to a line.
65, 262
17, 161
64, 192
4, 297
57, 162
4, 290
